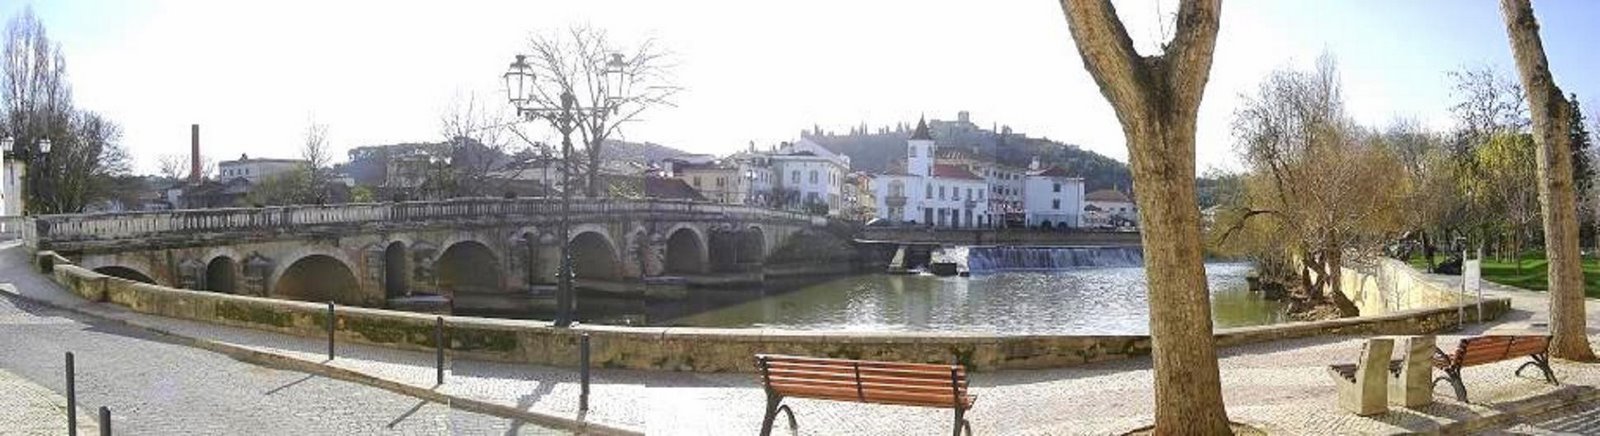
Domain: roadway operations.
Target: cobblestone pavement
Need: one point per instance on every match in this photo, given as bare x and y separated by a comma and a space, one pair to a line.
1281, 386
29, 409
1583, 419
157, 387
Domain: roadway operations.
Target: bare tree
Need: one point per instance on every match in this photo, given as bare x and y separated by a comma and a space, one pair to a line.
1551, 133
171, 166
1156, 98
576, 61
1487, 102
36, 101
475, 158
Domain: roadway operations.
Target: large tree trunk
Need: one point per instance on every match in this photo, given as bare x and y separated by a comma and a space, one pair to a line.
1427, 250
1551, 119
1156, 99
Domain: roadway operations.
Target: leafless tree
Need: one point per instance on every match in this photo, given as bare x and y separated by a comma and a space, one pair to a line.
476, 157
575, 61
36, 102
1551, 120
1156, 99
1487, 102
172, 166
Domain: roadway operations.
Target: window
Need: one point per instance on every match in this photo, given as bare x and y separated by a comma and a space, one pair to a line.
1058, 187
913, 151
969, 193
813, 176
722, 181
696, 181
794, 176
928, 193
1055, 204
941, 192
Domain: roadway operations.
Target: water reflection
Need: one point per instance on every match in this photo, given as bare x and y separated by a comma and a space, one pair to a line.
1082, 301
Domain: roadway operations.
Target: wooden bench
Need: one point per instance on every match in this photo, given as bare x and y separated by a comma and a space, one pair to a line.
863, 381
1481, 350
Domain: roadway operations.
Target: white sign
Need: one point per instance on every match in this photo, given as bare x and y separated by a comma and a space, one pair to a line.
1472, 275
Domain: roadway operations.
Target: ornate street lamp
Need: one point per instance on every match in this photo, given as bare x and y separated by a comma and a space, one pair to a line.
521, 87
617, 80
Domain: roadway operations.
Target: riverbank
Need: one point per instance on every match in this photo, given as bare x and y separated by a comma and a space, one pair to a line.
1278, 386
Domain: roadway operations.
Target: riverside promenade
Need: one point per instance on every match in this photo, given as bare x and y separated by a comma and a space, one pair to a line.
1279, 387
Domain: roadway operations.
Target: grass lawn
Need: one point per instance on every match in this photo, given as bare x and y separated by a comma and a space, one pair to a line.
1534, 268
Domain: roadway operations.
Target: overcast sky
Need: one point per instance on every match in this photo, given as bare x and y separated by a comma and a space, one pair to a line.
254, 74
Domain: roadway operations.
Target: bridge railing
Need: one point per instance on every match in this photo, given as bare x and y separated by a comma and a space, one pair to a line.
127, 225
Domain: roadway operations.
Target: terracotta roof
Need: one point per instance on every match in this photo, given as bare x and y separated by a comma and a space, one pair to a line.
1053, 171
922, 130
1107, 195
953, 172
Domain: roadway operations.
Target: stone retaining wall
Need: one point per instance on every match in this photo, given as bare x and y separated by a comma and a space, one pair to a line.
682, 349
1387, 285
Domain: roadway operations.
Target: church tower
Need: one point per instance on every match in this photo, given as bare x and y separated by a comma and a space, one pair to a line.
920, 151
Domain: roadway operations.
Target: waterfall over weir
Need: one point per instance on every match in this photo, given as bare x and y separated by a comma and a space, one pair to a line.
1006, 258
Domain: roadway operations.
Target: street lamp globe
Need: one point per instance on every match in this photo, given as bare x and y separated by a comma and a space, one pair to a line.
616, 75
44, 145
519, 82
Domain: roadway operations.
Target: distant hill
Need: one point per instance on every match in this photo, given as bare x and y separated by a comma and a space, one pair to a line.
638, 151
875, 151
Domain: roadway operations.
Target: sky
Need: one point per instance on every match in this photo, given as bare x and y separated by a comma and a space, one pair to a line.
254, 75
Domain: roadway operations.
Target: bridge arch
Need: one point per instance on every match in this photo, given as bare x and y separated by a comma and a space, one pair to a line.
686, 251
319, 278
594, 256
468, 266
125, 272
222, 275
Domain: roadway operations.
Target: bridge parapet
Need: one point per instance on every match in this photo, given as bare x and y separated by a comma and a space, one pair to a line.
77, 231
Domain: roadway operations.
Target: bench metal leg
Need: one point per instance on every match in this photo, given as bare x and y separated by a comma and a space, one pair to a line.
961, 423
1542, 362
773, 407
1454, 377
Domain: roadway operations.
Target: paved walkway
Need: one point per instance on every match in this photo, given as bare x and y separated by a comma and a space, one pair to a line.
155, 386
29, 409
1281, 387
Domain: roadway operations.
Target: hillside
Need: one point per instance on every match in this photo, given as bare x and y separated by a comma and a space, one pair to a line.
874, 151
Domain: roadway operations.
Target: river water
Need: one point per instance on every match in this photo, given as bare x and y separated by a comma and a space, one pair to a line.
1083, 301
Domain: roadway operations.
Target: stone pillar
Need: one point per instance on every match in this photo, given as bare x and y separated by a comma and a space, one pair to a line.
1413, 386
257, 270
191, 275
422, 275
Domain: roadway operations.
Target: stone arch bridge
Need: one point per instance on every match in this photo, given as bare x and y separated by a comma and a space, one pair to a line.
376, 255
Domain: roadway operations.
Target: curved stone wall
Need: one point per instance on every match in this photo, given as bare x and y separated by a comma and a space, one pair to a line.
683, 349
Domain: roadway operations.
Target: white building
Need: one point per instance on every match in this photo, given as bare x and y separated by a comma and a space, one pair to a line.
807, 173
932, 194
1109, 208
255, 170
1052, 198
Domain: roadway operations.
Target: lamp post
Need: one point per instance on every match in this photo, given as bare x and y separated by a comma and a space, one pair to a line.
36, 184
522, 92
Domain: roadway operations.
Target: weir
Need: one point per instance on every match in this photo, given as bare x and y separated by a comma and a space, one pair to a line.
982, 259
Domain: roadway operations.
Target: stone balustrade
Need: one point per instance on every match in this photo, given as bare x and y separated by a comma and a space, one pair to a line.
53, 230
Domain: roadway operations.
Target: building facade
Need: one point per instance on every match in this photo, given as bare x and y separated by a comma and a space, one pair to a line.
1052, 199
256, 170
808, 175
929, 193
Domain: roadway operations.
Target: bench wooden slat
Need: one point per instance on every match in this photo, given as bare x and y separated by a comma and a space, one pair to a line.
869, 386
865, 377
936, 374
935, 367
944, 400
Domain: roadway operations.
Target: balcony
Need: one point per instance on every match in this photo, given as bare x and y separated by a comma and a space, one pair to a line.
970, 204
895, 200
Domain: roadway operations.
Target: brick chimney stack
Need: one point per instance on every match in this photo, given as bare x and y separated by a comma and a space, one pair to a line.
194, 153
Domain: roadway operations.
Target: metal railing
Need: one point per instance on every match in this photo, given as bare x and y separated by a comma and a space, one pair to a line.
128, 225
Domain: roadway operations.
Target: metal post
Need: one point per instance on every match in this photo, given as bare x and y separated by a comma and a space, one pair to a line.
583, 371
564, 282
105, 421
438, 349
72, 397
332, 322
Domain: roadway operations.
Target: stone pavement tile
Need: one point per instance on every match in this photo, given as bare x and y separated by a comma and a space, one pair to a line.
27, 408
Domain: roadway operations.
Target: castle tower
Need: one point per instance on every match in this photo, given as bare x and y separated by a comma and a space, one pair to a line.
920, 151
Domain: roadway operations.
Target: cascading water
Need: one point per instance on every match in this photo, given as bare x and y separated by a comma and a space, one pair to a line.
1009, 258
